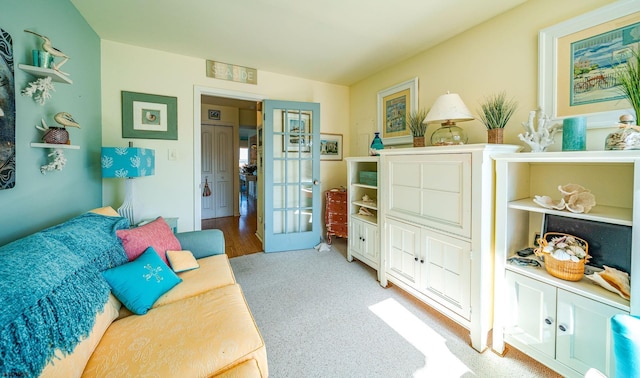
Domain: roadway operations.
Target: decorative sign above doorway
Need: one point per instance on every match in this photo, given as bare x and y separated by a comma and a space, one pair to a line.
231, 72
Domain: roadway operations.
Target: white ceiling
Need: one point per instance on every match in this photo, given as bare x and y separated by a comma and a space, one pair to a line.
334, 41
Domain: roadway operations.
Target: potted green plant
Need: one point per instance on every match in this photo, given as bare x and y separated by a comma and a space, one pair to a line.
628, 76
414, 121
496, 111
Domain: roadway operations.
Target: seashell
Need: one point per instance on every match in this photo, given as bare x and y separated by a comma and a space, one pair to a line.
581, 202
613, 280
548, 203
570, 189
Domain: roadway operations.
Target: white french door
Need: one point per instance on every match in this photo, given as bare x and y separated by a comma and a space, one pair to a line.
291, 175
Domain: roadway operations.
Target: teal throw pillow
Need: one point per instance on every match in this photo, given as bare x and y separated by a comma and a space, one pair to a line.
139, 283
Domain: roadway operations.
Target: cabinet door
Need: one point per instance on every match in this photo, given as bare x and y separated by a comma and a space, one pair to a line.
434, 190
404, 251
584, 333
363, 241
530, 313
447, 271
370, 242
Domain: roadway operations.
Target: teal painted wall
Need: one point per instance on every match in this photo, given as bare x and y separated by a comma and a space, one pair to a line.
38, 201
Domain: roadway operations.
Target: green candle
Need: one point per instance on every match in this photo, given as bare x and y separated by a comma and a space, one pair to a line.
574, 134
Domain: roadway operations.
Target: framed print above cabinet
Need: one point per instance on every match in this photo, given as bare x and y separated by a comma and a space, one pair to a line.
394, 104
577, 60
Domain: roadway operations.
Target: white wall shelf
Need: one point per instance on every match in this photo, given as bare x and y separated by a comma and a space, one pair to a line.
45, 72
55, 146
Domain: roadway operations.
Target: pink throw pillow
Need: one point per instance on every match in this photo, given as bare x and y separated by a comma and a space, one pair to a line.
156, 234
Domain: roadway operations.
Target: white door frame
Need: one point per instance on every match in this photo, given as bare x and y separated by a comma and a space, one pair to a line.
198, 92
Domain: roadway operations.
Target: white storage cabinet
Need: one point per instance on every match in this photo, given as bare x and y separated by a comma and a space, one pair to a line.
562, 324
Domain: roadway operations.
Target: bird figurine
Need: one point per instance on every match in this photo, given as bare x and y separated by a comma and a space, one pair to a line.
55, 134
66, 120
46, 46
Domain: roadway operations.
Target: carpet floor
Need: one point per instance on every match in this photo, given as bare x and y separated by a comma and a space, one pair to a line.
321, 316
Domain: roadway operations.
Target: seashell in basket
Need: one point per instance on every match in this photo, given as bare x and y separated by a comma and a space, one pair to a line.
548, 203
613, 280
581, 202
570, 189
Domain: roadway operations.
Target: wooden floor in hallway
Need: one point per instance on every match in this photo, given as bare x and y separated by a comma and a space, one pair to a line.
239, 232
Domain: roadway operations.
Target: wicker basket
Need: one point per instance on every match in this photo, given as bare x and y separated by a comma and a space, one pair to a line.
566, 270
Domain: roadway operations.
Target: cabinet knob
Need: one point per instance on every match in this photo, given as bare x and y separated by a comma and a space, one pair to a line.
562, 328
549, 321
415, 258
421, 261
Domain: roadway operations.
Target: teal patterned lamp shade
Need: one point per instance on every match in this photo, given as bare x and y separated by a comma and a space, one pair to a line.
126, 162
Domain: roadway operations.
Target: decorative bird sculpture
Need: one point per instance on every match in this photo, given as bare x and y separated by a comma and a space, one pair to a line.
46, 46
66, 120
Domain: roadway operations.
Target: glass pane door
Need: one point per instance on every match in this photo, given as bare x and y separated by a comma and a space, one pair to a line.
292, 171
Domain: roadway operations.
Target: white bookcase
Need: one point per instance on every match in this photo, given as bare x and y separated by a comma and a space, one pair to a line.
364, 234
563, 324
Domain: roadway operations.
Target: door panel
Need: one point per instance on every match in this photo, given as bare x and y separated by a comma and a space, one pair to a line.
291, 175
217, 171
531, 313
404, 251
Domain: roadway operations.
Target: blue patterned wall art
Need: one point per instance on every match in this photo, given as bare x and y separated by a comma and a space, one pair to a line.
7, 114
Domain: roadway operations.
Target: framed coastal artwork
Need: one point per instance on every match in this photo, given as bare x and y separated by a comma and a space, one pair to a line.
147, 116
578, 59
297, 127
330, 146
7, 113
394, 104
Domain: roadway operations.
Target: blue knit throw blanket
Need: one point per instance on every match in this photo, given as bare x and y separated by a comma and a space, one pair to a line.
51, 289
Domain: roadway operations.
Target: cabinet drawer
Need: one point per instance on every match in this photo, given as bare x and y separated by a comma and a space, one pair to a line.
433, 190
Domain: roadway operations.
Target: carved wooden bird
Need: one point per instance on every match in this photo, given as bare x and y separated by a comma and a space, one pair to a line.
46, 46
66, 119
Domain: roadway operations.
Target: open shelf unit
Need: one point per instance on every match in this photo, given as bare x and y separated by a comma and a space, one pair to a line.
364, 233
563, 324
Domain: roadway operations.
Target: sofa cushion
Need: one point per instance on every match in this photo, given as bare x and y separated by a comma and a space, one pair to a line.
138, 284
107, 211
72, 365
181, 261
248, 368
156, 234
215, 271
195, 337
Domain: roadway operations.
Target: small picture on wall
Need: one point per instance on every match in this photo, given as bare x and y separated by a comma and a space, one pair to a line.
214, 114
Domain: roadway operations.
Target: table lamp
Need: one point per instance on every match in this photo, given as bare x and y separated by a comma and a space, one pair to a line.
127, 163
447, 110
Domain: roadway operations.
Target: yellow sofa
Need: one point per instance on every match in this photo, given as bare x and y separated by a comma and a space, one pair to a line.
202, 327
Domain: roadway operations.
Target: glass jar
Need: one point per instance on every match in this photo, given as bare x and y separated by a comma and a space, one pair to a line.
626, 138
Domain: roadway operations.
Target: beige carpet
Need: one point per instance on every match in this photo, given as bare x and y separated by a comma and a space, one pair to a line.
322, 316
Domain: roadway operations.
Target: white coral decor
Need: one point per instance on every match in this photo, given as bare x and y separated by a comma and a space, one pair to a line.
39, 90
564, 248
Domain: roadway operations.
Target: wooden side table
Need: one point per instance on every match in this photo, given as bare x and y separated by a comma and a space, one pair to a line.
336, 213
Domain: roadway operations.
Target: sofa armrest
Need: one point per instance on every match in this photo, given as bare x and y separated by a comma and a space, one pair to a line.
202, 243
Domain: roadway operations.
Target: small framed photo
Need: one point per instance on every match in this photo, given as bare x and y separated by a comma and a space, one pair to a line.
330, 146
297, 124
147, 116
214, 114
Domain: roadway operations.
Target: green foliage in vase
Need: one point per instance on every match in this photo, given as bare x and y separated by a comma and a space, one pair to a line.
497, 110
628, 76
414, 121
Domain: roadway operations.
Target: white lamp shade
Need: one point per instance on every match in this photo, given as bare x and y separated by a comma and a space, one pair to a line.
448, 107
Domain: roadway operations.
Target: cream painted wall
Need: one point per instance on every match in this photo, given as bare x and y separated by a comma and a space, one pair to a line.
498, 55
170, 192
